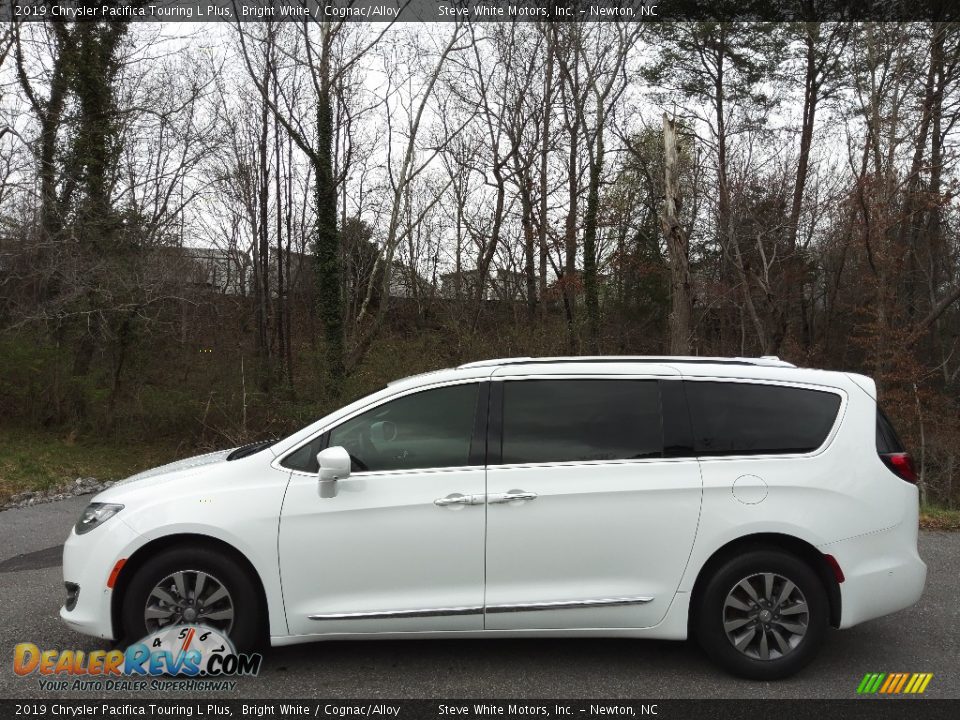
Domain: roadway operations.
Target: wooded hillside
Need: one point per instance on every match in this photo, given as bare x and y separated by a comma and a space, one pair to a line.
215, 233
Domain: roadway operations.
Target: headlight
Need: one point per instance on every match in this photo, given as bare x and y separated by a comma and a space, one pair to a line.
94, 515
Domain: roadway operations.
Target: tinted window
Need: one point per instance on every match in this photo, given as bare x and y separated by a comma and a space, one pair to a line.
429, 429
887, 439
305, 457
749, 419
580, 420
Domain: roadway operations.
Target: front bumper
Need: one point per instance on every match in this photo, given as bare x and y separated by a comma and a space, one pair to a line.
87, 562
883, 573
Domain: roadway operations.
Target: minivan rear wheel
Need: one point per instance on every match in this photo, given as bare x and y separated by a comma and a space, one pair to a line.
762, 615
199, 586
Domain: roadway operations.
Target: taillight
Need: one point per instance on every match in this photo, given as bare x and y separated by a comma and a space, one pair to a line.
902, 464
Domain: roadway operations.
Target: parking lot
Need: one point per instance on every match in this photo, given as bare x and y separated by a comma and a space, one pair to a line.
924, 638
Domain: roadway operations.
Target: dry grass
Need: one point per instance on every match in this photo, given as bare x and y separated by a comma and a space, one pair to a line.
937, 518
31, 460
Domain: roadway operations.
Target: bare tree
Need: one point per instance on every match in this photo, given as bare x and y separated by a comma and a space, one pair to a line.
409, 166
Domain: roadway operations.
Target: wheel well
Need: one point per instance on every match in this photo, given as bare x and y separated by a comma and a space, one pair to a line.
193, 541
764, 541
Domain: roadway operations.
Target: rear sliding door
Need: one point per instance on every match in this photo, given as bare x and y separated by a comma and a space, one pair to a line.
590, 522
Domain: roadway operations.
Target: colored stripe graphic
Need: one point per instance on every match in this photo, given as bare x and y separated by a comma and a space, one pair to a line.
890, 681
894, 683
903, 680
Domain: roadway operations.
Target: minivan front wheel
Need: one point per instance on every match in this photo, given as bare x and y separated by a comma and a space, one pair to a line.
197, 586
762, 615
189, 596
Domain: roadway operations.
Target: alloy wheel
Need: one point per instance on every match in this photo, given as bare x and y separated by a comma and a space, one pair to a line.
189, 596
765, 616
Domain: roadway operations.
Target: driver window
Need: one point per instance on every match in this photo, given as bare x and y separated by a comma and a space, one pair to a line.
429, 429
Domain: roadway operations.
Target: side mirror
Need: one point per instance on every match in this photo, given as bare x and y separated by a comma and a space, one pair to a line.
334, 465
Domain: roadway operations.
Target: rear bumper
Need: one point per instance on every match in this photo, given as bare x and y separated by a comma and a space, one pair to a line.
883, 573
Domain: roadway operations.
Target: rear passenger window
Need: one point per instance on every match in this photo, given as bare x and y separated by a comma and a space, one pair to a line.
750, 419
580, 420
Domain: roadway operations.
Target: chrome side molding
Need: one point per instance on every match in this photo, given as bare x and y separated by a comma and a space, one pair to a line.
567, 604
390, 614
478, 609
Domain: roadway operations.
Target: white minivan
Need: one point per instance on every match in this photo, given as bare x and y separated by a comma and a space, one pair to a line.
743, 501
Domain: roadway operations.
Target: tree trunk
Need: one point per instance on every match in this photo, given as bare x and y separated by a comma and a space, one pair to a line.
282, 278
529, 242
677, 246
544, 168
569, 278
914, 200
489, 250
591, 292
793, 277
263, 241
327, 236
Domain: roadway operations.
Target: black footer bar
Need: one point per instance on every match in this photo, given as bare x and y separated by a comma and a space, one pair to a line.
854, 709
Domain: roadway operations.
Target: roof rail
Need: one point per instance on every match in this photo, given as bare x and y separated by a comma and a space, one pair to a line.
415, 375
493, 362
764, 361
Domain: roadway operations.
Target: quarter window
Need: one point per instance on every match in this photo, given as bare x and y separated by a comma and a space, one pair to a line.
887, 439
755, 419
580, 420
304, 458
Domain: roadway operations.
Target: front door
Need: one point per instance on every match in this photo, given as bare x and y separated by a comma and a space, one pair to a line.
400, 548
588, 524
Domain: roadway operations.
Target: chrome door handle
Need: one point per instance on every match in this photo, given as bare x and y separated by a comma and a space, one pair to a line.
458, 499
510, 496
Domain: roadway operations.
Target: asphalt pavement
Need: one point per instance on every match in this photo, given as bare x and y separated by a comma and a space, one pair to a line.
924, 638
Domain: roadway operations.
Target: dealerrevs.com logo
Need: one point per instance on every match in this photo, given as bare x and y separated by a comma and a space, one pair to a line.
199, 657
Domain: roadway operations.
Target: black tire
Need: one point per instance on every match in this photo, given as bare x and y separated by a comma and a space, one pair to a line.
249, 616
755, 567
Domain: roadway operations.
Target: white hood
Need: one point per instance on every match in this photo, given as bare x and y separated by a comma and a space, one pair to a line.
185, 464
